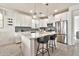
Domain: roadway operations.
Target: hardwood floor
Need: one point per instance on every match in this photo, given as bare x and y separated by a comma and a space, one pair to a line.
65, 50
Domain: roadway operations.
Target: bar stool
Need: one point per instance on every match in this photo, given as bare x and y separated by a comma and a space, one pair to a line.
43, 41
52, 37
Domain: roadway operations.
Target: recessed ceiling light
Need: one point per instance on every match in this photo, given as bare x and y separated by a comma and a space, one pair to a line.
34, 16
31, 11
56, 10
45, 4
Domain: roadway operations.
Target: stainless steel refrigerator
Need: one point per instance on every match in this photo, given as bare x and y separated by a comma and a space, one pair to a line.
62, 31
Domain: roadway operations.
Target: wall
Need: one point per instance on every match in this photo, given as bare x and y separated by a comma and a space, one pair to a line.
6, 15
76, 26
18, 20
71, 24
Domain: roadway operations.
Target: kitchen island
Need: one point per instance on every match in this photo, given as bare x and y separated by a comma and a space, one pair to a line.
33, 41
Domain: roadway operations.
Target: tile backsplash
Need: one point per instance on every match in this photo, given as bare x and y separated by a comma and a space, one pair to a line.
22, 29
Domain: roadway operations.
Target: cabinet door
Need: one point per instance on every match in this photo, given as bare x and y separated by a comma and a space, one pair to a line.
35, 23
43, 23
18, 19
23, 20
27, 21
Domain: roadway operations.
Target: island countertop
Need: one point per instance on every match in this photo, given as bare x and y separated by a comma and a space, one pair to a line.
41, 34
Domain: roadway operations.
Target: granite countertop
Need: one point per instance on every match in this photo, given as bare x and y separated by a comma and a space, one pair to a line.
40, 34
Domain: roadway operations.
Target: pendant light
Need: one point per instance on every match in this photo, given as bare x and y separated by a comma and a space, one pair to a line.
35, 13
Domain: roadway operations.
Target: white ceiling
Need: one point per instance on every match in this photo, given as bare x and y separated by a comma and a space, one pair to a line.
76, 12
38, 7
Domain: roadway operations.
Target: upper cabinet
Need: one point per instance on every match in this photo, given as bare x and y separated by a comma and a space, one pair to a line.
35, 23
39, 23
43, 22
27, 21
23, 20
18, 19
50, 19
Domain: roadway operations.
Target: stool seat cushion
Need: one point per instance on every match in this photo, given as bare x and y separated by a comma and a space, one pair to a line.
52, 37
43, 39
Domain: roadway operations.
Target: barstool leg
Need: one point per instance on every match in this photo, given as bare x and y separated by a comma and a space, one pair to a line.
47, 49
37, 49
42, 49
54, 44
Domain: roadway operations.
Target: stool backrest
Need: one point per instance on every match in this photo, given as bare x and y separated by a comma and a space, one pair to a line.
52, 37
43, 39
46, 38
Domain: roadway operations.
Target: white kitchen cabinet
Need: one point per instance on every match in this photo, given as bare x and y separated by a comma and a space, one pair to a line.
51, 19
35, 23
23, 20
43, 22
27, 21
18, 19
39, 23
